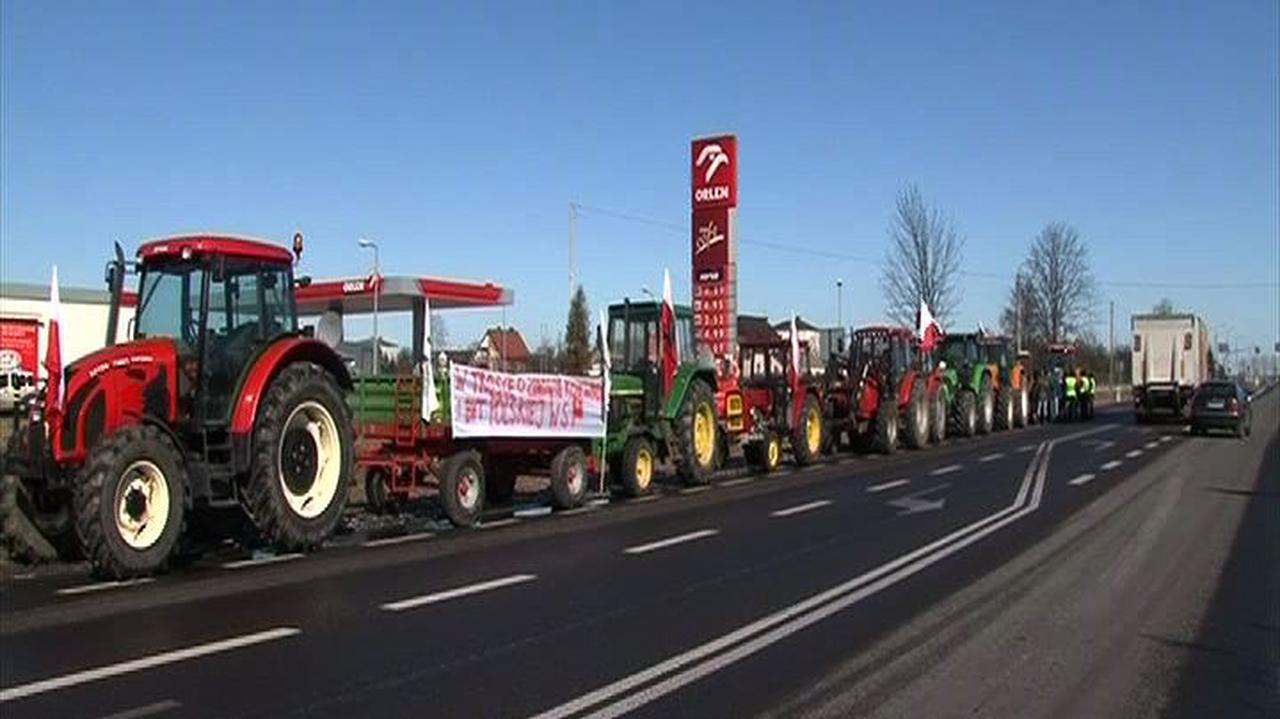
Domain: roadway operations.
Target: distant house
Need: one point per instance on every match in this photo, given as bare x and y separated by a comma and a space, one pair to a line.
502, 348
754, 331
358, 355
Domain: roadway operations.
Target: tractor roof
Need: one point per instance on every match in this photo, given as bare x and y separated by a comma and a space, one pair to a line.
647, 307
397, 293
884, 331
207, 243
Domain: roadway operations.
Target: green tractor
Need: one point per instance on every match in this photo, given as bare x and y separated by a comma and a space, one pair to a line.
653, 418
971, 383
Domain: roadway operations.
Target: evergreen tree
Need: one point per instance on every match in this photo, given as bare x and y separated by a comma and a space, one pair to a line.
576, 358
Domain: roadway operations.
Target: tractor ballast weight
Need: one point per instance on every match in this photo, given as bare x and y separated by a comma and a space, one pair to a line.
217, 400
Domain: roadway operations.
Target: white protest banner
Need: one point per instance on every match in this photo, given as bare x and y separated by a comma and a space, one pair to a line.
502, 404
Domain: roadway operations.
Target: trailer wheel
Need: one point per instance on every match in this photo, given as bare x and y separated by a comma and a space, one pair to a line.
302, 459
986, 406
886, 429
696, 432
938, 417
377, 491
636, 472
569, 477
917, 418
462, 487
130, 502
966, 413
808, 438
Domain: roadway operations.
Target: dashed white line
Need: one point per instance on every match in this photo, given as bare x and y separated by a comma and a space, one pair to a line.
946, 470
148, 662
1027, 448
1082, 479
670, 541
643, 498
991, 457
887, 485
499, 523
696, 489
1152, 444
437, 597
808, 506
398, 539
146, 710
273, 559
99, 586
1133, 453
1166, 438
737, 482
1111, 465
531, 512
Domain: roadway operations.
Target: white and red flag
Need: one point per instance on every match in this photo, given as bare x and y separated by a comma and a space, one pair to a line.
929, 329
53, 351
795, 353
670, 340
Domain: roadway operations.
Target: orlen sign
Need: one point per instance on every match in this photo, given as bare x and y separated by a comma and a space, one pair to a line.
715, 172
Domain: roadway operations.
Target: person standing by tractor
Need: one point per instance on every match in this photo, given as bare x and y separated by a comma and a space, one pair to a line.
1090, 384
1072, 394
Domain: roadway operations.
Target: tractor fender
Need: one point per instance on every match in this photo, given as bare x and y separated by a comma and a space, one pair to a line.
906, 387
685, 376
269, 362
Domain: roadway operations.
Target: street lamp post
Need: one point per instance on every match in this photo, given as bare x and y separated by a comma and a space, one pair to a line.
377, 290
840, 313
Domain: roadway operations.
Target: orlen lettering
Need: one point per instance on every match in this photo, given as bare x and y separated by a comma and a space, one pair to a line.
715, 193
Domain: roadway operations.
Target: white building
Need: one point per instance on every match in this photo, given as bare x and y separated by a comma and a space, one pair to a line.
83, 325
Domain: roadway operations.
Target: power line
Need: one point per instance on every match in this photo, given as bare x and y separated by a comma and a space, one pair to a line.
861, 259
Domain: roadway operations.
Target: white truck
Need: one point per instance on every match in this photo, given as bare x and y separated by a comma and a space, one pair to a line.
1170, 359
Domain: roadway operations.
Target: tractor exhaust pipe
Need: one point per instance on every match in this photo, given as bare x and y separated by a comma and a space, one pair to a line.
115, 286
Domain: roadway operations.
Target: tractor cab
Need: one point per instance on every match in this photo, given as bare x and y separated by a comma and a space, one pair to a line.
221, 301
963, 351
635, 349
886, 352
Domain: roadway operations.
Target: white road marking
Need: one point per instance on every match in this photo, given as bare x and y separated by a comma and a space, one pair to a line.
643, 498
991, 457
696, 489
145, 710
1111, 465
670, 541
1082, 479
530, 512
811, 468
498, 523
737, 482
887, 485
1104, 445
1133, 453
148, 662
946, 470
1152, 444
1026, 448
1166, 438
578, 510
800, 508
273, 559
99, 586
398, 539
437, 597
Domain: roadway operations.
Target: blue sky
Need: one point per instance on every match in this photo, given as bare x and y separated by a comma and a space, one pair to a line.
457, 136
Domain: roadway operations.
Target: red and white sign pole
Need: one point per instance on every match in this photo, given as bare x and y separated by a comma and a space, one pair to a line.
714, 198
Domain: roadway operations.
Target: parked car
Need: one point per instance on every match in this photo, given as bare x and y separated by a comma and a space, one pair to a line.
14, 386
1221, 404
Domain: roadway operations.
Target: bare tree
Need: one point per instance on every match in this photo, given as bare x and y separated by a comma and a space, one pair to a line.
1058, 268
1163, 308
923, 260
1021, 317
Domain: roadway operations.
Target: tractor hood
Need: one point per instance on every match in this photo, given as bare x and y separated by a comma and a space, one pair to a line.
127, 354
625, 384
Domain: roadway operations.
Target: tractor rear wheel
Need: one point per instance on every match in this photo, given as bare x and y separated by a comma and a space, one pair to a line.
302, 459
807, 438
569, 477
965, 416
886, 429
130, 502
986, 406
462, 487
636, 471
1004, 409
1022, 406
917, 418
938, 417
696, 434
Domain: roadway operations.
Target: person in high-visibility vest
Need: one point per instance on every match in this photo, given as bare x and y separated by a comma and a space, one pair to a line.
1072, 395
1091, 385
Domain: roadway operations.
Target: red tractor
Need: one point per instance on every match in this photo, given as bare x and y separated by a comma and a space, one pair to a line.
782, 407
877, 390
218, 400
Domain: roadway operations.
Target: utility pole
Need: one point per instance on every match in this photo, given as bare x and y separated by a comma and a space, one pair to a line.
1111, 353
1017, 311
573, 248
840, 313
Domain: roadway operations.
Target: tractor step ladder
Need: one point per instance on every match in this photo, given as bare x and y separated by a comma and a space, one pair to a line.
405, 405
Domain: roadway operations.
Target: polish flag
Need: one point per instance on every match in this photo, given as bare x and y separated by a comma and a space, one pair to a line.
53, 352
670, 342
795, 354
930, 331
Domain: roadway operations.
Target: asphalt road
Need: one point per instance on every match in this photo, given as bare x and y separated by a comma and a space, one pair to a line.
1097, 569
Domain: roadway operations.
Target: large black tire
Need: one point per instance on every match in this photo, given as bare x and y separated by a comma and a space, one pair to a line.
462, 487
377, 491
986, 407
19, 532
917, 419
636, 471
886, 429
965, 415
139, 472
696, 453
808, 437
766, 455
1004, 409
296, 489
569, 477
938, 417
1022, 406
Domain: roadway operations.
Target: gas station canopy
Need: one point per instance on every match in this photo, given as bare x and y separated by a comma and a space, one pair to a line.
397, 293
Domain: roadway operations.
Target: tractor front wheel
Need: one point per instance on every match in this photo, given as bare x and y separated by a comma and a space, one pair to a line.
886, 430
917, 418
636, 472
807, 437
938, 417
1004, 409
966, 413
1022, 406
765, 455
696, 434
302, 459
130, 502
986, 407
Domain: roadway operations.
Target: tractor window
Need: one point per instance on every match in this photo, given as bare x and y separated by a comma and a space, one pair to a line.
169, 303
684, 335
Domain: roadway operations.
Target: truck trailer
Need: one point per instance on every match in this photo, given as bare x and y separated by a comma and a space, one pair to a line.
1170, 359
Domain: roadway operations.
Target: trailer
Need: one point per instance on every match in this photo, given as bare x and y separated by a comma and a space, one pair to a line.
465, 432
1170, 359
